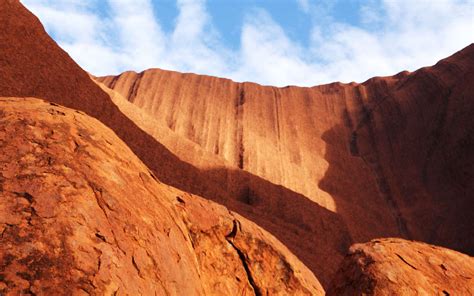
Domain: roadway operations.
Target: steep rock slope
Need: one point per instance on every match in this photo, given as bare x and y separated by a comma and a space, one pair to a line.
316, 235
392, 156
398, 267
81, 214
342, 183
33, 65
187, 150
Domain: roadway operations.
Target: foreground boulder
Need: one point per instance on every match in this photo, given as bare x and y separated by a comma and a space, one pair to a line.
398, 267
81, 214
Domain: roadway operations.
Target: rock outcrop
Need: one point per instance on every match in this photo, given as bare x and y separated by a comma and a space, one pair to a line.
398, 267
81, 214
389, 157
32, 65
319, 168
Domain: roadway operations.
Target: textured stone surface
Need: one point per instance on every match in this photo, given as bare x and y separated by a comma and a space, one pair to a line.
81, 214
398, 267
392, 156
319, 168
33, 65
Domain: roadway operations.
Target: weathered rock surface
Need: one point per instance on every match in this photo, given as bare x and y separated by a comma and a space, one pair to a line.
81, 214
398, 267
392, 156
32, 65
319, 168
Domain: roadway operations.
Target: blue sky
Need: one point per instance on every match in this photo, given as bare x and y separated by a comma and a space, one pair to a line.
278, 42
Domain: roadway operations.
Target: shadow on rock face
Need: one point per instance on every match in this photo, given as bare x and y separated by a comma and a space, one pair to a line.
362, 196
404, 166
317, 236
34, 66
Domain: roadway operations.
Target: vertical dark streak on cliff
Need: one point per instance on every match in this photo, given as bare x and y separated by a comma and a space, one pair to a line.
372, 159
354, 149
387, 122
277, 102
352, 134
239, 113
114, 81
134, 88
171, 114
438, 126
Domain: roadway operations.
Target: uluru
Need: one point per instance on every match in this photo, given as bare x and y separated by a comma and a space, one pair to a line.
166, 182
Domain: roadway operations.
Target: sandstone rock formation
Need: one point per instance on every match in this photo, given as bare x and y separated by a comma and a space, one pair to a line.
33, 65
389, 157
319, 168
398, 267
81, 214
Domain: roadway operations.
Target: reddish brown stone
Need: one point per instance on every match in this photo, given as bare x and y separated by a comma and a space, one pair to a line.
81, 214
392, 156
319, 168
394, 266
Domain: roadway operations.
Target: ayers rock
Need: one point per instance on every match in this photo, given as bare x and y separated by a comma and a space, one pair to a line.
326, 166
396, 267
81, 214
301, 174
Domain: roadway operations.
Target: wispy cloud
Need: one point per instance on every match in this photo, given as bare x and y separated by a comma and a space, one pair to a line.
140, 39
304, 5
391, 36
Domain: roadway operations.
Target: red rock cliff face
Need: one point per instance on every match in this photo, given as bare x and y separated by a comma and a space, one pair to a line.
81, 214
33, 65
391, 156
317, 167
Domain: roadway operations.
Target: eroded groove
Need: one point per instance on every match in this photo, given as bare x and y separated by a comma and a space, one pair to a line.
406, 262
277, 102
239, 110
135, 86
440, 122
98, 198
243, 258
135, 265
373, 161
114, 81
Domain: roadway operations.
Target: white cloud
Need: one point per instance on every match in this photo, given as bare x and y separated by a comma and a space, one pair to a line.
392, 36
69, 21
304, 5
412, 34
194, 43
140, 38
267, 55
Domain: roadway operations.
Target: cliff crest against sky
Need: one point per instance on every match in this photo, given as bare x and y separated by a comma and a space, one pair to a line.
312, 42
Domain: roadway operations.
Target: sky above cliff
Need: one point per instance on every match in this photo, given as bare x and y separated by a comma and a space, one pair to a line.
278, 42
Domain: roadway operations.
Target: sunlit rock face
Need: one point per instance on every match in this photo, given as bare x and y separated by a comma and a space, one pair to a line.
388, 157
319, 168
395, 266
80, 213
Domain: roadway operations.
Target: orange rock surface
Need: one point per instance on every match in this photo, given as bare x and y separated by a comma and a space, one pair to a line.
389, 157
399, 267
319, 168
34, 66
81, 214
